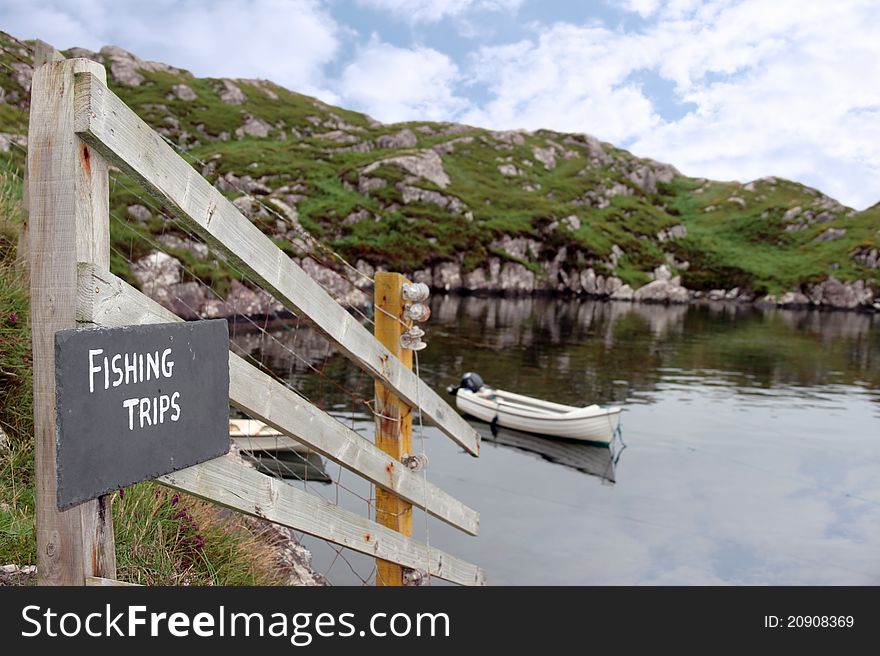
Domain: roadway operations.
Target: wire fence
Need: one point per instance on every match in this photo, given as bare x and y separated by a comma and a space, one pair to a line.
279, 343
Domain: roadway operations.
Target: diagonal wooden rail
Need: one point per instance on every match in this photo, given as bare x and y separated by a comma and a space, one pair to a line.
233, 484
107, 301
107, 124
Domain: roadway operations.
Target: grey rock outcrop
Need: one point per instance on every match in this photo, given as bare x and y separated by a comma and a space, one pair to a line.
171, 240
423, 164
13, 574
447, 147
230, 93
622, 293
406, 138
662, 291
793, 299
253, 127
125, 67
418, 195
547, 157
521, 248
836, 294
181, 92
157, 272
510, 137
831, 234
867, 257
674, 232
447, 276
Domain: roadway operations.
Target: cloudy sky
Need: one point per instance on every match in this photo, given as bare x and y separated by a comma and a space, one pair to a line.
728, 89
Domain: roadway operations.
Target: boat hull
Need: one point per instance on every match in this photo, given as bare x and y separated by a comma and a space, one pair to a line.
594, 423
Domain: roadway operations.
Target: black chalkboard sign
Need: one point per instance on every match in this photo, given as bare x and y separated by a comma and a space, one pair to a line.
137, 402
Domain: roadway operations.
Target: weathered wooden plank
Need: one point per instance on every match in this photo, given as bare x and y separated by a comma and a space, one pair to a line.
393, 418
269, 443
104, 121
106, 300
68, 222
231, 483
98, 581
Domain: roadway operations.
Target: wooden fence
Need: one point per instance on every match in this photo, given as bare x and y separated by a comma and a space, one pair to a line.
78, 127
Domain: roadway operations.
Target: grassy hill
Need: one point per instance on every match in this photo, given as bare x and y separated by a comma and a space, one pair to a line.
467, 207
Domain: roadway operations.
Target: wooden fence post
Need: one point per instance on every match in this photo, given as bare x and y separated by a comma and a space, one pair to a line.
68, 207
393, 416
43, 53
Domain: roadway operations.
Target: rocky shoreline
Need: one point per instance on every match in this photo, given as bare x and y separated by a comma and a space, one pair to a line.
164, 278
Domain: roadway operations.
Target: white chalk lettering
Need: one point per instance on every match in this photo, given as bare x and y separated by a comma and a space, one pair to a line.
114, 364
167, 365
176, 407
129, 368
118, 369
144, 411
147, 411
164, 406
153, 364
92, 368
130, 404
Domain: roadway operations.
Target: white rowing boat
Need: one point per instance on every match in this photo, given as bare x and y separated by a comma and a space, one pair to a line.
592, 423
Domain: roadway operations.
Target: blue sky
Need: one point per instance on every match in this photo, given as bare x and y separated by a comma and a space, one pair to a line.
727, 89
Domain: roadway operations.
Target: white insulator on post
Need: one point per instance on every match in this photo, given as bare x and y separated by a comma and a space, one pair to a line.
415, 292
416, 462
412, 339
414, 577
416, 312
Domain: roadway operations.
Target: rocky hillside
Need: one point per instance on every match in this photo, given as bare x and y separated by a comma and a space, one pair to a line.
460, 207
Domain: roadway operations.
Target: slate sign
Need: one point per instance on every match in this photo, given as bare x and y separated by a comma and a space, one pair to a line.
137, 402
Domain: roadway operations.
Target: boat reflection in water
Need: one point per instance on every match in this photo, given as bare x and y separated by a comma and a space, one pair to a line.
304, 466
275, 454
596, 460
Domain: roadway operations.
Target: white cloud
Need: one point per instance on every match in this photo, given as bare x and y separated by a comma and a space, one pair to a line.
644, 8
398, 84
568, 78
780, 88
777, 88
288, 41
431, 11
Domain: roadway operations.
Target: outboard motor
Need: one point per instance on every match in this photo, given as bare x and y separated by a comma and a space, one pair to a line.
470, 381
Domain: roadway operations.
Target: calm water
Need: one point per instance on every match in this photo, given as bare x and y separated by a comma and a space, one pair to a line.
752, 443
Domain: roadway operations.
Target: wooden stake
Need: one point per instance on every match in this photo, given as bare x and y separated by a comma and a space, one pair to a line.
43, 53
69, 222
393, 416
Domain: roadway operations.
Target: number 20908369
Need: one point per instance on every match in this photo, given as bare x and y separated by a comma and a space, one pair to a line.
809, 621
